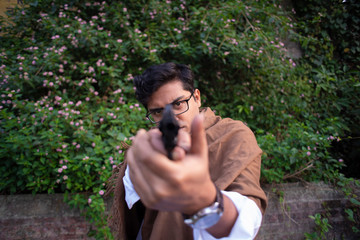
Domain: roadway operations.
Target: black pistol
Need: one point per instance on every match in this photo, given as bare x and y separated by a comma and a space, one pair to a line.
169, 128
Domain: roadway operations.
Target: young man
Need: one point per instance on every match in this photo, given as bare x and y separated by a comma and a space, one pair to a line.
209, 190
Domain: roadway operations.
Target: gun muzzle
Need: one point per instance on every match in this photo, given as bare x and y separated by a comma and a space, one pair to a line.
169, 128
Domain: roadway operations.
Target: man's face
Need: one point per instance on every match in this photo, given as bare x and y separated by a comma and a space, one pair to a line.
173, 91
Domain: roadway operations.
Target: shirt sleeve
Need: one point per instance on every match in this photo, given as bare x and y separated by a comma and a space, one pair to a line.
131, 196
247, 224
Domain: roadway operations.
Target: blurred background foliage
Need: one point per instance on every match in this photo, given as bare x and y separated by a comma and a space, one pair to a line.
288, 69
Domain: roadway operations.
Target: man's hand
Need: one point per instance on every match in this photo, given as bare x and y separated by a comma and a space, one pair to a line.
183, 184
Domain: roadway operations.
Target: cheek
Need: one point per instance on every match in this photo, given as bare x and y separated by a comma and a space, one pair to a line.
185, 118
190, 116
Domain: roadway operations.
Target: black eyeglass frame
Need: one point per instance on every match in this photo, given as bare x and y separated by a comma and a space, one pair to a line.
187, 109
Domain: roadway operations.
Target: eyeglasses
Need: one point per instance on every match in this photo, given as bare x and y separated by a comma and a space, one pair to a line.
179, 107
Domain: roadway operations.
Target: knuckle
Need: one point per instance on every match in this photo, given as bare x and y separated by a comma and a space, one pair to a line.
158, 195
178, 181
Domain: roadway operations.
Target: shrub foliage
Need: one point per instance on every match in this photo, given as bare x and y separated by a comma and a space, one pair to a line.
67, 100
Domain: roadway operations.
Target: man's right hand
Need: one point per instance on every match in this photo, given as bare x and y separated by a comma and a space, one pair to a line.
183, 184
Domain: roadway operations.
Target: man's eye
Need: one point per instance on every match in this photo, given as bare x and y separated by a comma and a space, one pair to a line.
177, 104
156, 113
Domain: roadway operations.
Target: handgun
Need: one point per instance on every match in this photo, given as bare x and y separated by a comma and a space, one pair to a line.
169, 128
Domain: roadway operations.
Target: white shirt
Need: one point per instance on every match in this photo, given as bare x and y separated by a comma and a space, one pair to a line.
245, 228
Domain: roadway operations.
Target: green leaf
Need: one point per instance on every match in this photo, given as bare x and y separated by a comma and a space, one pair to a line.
354, 201
87, 168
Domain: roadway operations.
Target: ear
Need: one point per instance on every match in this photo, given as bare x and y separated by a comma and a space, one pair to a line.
197, 97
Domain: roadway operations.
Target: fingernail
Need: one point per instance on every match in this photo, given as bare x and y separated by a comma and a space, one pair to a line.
175, 155
185, 146
201, 116
141, 131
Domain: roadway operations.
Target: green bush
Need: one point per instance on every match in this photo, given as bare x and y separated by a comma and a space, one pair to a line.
301, 148
68, 106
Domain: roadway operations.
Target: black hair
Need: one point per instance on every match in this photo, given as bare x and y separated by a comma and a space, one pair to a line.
156, 76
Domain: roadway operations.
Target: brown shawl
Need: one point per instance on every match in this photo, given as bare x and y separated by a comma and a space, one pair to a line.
234, 162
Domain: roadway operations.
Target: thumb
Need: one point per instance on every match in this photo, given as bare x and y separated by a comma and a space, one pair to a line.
198, 137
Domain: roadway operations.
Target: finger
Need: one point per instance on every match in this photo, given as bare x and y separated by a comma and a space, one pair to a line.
142, 161
198, 136
149, 173
145, 184
184, 140
138, 180
143, 146
148, 157
183, 145
156, 141
141, 135
178, 153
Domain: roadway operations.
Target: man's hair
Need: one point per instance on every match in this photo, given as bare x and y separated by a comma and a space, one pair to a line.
156, 76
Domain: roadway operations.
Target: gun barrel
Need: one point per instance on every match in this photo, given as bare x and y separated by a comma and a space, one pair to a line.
169, 128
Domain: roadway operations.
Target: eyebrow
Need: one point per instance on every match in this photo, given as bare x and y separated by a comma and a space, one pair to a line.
174, 101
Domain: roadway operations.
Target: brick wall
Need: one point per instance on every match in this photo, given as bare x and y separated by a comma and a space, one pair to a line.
48, 217
287, 217
40, 217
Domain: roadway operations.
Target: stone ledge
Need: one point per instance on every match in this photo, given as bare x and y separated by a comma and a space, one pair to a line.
45, 216
24, 206
291, 204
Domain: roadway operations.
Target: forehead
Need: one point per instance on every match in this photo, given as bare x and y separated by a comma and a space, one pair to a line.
166, 94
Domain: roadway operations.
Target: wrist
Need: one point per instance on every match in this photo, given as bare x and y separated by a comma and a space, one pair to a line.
224, 226
207, 216
205, 198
